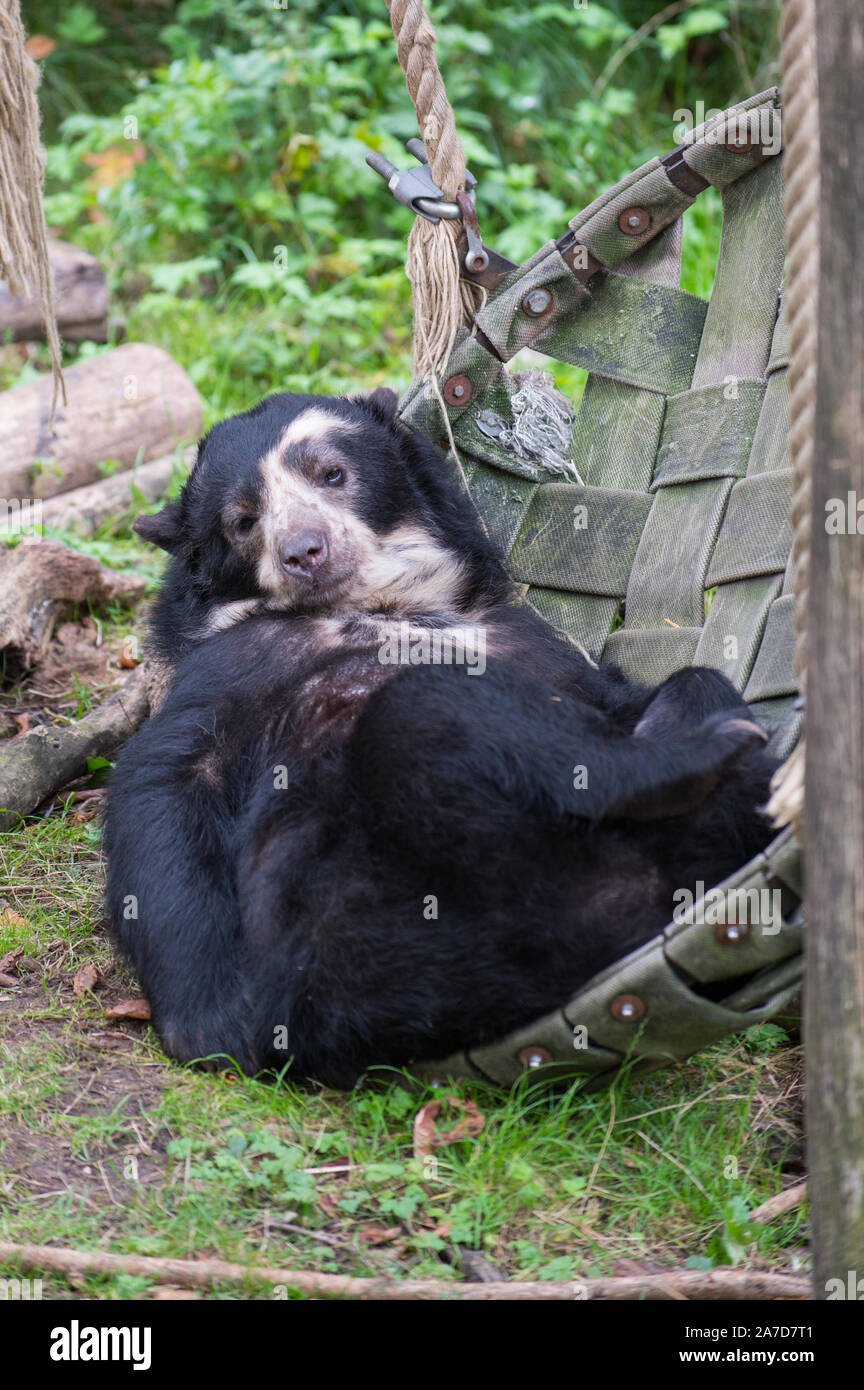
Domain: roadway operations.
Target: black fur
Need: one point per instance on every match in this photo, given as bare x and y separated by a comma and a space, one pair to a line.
307, 906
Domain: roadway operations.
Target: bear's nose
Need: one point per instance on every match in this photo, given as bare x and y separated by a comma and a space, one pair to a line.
303, 552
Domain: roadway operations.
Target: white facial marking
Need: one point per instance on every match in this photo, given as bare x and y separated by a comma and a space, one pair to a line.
313, 424
290, 501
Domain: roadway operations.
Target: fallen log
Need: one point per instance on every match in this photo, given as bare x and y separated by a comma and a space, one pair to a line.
713, 1284
38, 578
80, 297
85, 509
128, 405
35, 765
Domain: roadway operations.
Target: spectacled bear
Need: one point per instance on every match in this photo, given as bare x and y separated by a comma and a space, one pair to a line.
384, 812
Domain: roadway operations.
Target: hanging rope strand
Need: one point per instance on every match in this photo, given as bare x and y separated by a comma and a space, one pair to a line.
443, 303
801, 179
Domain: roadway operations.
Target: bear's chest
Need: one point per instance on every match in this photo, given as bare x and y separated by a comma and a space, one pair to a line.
360, 654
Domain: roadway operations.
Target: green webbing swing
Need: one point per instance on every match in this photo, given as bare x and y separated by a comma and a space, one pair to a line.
682, 551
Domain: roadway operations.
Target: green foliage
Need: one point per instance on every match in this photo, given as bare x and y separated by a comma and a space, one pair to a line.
217, 166
673, 39
80, 27
730, 1244
258, 1165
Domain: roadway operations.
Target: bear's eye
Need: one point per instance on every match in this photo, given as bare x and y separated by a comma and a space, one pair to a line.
243, 525
334, 476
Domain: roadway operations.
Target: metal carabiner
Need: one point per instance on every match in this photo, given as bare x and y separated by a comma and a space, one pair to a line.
415, 187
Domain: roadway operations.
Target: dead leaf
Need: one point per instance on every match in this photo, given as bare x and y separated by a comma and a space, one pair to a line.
379, 1235
85, 979
7, 980
164, 1293
424, 1128
39, 46
114, 164
91, 809
10, 918
473, 1124
427, 1138
129, 1008
23, 722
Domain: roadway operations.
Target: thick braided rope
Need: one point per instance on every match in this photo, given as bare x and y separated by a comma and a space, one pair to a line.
802, 190
23, 238
442, 302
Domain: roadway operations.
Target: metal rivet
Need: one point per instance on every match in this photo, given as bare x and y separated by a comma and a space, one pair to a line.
534, 1056
739, 144
632, 221
731, 933
536, 302
627, 1008
458, 390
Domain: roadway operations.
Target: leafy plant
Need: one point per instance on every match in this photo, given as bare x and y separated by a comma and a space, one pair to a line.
258, 1164
729, 1246
222, 180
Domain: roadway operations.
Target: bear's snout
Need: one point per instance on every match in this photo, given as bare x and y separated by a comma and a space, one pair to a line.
303, 552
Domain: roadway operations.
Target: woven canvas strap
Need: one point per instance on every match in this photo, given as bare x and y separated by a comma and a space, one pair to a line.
673, 548
662, 1002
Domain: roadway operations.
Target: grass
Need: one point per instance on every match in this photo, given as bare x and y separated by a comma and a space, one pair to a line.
105, 1144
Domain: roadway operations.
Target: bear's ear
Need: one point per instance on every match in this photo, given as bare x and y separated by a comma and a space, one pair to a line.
162, 528
383, 403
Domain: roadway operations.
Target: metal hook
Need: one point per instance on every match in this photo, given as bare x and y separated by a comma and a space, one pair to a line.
416, 188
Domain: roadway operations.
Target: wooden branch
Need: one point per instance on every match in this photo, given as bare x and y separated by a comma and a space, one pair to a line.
81, 299
37, 579
715, 1284
35, 765
834, 806
84, 509
128, 405
787, 1200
